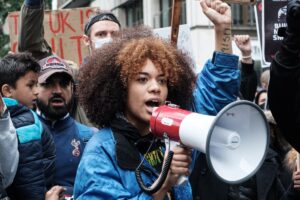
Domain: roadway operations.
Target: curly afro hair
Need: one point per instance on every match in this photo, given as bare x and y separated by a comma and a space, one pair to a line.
104, 77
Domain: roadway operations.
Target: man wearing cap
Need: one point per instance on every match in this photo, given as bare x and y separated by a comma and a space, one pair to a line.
98, 30
54, 99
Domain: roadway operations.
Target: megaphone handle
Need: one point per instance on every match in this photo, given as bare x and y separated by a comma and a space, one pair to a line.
171, 144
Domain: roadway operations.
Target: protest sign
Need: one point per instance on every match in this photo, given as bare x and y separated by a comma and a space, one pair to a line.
274, 15
63, 32
184, 41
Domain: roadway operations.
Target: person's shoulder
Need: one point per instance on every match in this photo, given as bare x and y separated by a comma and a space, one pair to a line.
85, 131
28, 125
20, 114
83, 128
102, 140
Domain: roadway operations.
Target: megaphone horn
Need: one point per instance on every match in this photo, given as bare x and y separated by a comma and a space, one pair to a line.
235, 141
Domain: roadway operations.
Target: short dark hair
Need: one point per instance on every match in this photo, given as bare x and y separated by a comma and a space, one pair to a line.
14, 66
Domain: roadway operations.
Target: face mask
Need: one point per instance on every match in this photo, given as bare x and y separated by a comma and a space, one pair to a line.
100, 42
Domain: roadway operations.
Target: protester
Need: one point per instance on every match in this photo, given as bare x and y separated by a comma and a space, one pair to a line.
133, 75
203, 180
53, 101
283, 93
18, 83
56, 97
100, 29
9, 155
261, 99
248, 74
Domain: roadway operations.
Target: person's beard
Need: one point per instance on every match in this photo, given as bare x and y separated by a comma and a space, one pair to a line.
51, 112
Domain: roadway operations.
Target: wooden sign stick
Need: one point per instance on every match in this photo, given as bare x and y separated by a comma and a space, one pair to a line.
175, 21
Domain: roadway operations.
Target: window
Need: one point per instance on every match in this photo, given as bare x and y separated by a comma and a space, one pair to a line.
134, 13
165, 13
243, 15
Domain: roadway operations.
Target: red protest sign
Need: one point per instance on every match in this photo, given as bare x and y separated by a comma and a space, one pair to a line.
63, 32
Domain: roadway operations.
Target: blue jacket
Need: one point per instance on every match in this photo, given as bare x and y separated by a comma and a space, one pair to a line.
70, 138
217, 84
110, 181
37, 153
100, 177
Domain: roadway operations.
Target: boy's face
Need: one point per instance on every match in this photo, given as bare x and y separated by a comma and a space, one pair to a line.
26, 90
146, 91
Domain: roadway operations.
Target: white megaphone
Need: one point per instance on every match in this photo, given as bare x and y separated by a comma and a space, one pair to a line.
235, 141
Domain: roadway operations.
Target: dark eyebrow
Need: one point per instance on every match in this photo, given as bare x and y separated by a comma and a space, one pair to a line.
99, 32
147, 74
143, 73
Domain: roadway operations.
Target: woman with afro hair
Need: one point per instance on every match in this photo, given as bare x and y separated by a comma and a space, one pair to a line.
120, 84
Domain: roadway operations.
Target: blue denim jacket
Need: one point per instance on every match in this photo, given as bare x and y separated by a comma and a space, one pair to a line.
100, 177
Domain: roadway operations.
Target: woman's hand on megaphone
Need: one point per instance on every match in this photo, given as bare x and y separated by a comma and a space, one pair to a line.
179, 167
296, 179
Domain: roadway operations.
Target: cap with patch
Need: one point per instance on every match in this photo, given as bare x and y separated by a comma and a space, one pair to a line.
51, 65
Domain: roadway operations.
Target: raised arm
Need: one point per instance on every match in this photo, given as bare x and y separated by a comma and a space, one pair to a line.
31, 35
248, 75
218, 83
219, 14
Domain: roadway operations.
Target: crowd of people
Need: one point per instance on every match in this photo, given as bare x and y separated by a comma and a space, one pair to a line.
84, 133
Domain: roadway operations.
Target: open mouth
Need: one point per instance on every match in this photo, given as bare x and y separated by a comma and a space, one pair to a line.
152, 103
57, 102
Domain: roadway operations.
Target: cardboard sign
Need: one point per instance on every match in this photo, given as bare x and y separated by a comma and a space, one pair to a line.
274, 15
184, 41
63, 32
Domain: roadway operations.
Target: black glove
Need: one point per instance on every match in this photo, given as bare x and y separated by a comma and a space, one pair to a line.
291, 40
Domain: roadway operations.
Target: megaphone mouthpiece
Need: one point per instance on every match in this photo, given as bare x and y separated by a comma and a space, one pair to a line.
228, 138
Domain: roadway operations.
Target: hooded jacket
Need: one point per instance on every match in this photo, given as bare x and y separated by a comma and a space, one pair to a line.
37, 153
9, 155
100, 175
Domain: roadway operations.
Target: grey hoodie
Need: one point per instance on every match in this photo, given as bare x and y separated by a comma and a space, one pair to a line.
9, 155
